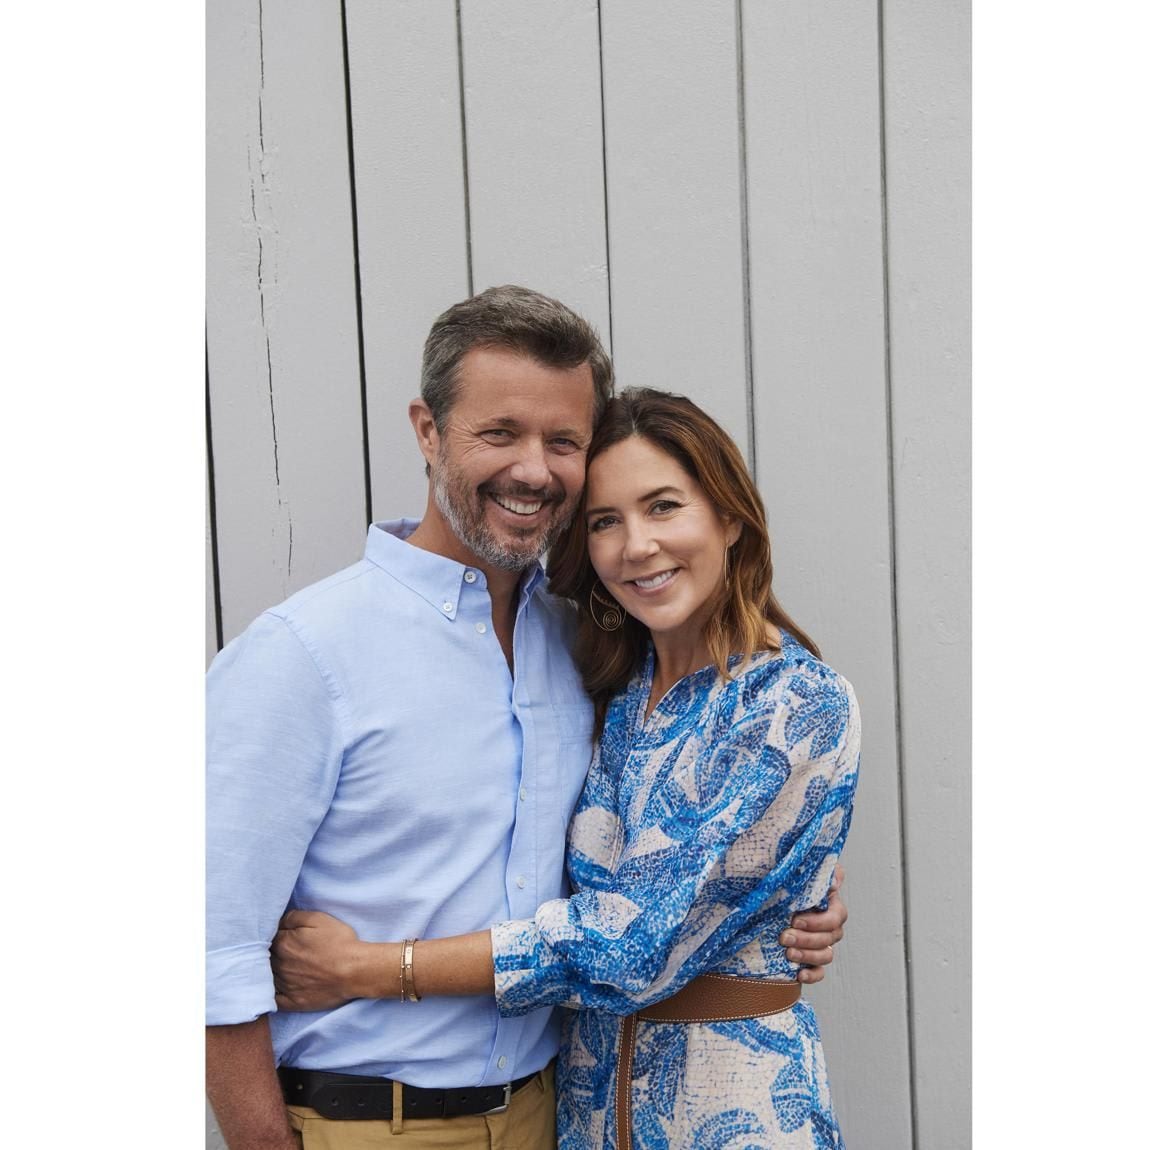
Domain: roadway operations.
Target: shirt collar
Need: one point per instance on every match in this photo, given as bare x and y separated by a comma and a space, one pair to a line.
433, 577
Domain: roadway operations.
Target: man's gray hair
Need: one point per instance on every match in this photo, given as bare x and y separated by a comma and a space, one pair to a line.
518, 319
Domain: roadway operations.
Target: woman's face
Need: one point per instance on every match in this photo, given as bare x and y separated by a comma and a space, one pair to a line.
656, 541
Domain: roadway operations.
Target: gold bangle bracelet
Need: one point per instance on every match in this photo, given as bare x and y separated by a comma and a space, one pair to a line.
407, 991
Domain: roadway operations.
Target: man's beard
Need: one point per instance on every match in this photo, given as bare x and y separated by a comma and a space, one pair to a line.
465, 513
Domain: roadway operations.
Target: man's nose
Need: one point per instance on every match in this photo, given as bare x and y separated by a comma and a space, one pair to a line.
530, 467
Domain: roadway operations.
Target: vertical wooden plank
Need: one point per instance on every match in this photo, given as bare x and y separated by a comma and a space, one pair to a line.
927, 84
813, 147
670, 95
281, 303
535, 149
406, 121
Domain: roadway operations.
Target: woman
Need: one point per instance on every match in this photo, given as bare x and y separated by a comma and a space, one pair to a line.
716, 805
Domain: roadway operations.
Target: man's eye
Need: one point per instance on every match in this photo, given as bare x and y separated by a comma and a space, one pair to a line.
499, 433
564, 446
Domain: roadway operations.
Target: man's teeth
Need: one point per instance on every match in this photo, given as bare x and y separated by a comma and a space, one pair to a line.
654, 581
518, 507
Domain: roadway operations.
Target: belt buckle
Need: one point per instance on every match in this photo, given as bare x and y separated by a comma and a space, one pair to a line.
506, 1102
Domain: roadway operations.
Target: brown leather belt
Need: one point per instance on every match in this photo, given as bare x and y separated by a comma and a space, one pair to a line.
708, 998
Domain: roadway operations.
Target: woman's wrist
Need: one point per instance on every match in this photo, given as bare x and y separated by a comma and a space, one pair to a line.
373, 970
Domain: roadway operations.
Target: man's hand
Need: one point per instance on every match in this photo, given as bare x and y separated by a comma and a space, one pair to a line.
316, 960
812, 934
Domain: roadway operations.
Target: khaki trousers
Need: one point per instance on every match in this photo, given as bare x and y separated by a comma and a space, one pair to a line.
527, 1124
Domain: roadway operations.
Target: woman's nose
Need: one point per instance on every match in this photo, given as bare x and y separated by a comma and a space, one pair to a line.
639, 544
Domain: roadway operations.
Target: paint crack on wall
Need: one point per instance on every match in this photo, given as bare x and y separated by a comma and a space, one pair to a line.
265, 203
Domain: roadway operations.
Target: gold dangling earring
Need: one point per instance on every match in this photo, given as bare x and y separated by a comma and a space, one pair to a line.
613, 614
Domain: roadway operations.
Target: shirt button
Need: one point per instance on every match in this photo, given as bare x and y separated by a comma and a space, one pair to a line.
502, 1061
468, 576
520, 882
523, 794
481, 628
447, 607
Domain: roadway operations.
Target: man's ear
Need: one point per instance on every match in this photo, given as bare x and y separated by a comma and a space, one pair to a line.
426, 433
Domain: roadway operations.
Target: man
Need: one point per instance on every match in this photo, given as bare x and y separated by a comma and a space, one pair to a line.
402, 745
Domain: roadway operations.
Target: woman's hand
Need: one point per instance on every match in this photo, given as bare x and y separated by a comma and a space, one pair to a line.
320, 963
811, 937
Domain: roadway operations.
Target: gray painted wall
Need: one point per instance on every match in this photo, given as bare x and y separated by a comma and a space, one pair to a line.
763, 204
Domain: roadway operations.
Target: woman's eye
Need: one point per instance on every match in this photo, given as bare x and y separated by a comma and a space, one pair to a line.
602, 522
661, 506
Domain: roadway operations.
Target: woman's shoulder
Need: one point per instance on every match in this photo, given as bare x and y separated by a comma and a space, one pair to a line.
795, 676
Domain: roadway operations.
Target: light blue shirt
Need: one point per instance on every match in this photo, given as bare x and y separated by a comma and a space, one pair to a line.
370, 754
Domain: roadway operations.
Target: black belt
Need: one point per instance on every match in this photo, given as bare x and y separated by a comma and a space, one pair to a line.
356, 1096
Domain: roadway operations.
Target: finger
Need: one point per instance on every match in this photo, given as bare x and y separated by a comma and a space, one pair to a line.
836, 906
817, 957
840, 877
827, 920
810, 939
295, 918
808, 923
811, 974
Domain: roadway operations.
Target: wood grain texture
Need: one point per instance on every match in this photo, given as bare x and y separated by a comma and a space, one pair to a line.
535, 149
816, 272
407, 130
673, 192
927, 84
282, 329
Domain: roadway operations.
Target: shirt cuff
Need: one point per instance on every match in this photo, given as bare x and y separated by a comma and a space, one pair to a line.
515, 951
239, 985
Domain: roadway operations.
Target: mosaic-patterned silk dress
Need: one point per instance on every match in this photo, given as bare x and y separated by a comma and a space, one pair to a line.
699, 832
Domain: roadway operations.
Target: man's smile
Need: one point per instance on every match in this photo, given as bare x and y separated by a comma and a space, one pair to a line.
517, 506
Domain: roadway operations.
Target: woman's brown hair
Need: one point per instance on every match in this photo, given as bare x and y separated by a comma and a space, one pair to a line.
746, 617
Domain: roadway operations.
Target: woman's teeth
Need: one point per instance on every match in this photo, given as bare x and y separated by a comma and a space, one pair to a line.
654, 581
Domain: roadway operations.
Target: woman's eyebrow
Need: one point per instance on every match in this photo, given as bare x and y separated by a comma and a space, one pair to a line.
668, 490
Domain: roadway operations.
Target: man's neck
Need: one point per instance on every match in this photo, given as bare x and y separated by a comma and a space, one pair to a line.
433, 534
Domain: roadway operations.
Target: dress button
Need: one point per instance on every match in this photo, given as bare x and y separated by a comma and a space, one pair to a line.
447, 607
520, 882
523, 794
481, 628
468, 576
502, 1061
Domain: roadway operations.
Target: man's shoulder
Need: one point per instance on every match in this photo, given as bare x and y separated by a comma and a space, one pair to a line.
317, 616
327, 597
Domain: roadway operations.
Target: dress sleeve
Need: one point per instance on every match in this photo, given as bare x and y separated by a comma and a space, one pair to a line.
747, 823
274, 748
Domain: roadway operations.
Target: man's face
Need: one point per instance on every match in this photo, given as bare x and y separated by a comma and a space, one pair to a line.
511, 461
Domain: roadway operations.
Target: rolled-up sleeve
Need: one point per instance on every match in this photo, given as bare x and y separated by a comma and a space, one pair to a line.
274, 747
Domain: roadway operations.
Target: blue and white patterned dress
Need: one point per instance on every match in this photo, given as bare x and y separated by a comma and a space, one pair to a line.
699, 832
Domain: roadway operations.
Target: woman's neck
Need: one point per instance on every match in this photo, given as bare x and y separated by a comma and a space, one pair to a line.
675, 658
